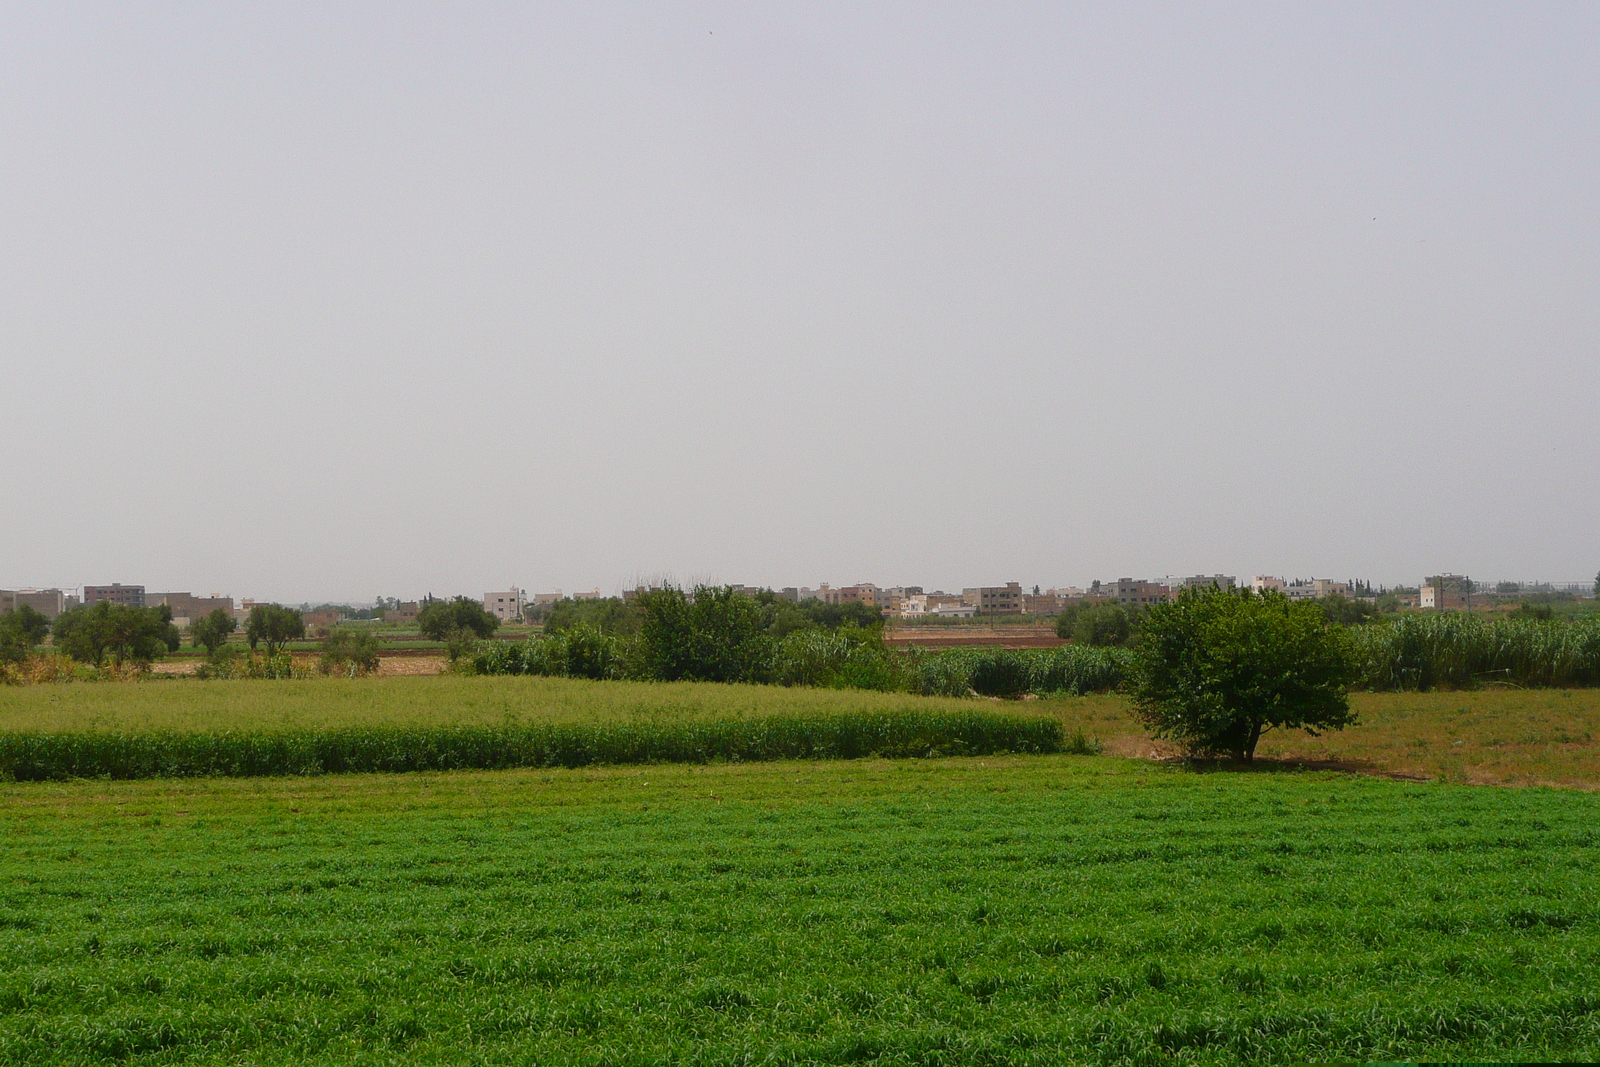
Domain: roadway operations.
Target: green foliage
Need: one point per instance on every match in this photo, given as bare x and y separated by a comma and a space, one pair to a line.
274, 626
1035, 911
1217, 667
1000, 672
610, 615
1455, 650
812, 657
458, 622
1071, 670
229, 665
582, 651
350, 651
39, 756
1346, 612
1098, 625
813, 612
124, 633
212, 631
20, 632
711, 635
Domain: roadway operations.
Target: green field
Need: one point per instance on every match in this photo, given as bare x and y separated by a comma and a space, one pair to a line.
186, 704
1008, 909
1494, 736
1015, 910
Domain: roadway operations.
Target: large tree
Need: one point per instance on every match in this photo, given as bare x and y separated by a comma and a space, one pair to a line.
20, 631
1095, 624
457, 622
1217, 668
711, 635
90, 634
211, 631
274, 626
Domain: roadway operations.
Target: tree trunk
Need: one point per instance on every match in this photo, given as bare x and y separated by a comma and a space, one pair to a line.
1250, 745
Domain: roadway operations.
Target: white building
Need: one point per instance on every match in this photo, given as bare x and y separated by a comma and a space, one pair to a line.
506, 606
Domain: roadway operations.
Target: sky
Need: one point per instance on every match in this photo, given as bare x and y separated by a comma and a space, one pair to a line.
312, 301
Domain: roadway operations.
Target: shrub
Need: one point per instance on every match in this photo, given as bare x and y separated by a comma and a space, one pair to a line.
349, 651
1000, 673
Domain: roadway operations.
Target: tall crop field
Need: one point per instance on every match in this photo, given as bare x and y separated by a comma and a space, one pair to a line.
1461, 651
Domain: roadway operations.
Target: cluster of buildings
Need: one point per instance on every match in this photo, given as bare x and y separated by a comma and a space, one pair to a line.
914, 602
1446, 592
185, 606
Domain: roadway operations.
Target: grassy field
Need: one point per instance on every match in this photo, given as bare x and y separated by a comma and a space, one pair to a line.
1012, 910
1487, 737
1502, 736
173, 704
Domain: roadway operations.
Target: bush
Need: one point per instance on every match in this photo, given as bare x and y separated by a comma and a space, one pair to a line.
349, 651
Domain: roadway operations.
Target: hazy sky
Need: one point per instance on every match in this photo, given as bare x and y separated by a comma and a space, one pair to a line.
334, 300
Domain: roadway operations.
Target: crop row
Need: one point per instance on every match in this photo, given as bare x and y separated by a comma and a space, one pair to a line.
42, 755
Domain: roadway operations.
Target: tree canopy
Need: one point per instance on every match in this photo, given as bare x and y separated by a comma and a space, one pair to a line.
1095, 624
1216, 668
90, 634
211, 631
20, 631
457, 621
714, 634
274, 626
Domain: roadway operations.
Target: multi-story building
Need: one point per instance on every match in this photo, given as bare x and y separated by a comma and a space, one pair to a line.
1204, 581
1263, 582
994, 599
1328, 587
406, 612
320, 623
127, 595
186, 607
545, 600
1043, 603
1445, 592
506, 606
1135, 592
47, 602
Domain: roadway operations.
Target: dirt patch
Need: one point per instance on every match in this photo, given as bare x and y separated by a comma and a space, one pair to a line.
409, 665
990, 637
